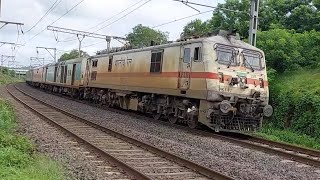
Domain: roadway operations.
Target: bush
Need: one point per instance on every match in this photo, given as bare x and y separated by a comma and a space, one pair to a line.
17, 157
295, 97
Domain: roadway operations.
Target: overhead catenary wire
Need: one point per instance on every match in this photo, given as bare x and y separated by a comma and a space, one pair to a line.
106, 20
118, 20
122, 16
57, 19
182, 18
73, 7
118, 13
53, 6
208, 6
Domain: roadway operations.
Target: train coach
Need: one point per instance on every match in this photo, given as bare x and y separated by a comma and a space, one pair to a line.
217, 81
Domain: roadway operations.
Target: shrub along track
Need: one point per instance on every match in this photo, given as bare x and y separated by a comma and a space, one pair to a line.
288, 151
138, 159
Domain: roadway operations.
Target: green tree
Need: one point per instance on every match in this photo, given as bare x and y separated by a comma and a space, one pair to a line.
236, 17
72, 55
316, 3
289, 50
195, 28
143, 35
282, 49
300, 15
303, 18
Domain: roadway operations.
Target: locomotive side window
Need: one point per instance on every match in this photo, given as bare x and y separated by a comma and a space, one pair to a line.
156, 61
94, 75
186, 55
196, 54
95, 63
110, 63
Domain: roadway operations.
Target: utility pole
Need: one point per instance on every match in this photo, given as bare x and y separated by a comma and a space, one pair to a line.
54, 55
82, 34
3, 59
253, 22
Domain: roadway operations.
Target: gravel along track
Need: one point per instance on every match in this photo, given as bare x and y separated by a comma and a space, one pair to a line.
298, 154
136, 158
78, 159
231, 159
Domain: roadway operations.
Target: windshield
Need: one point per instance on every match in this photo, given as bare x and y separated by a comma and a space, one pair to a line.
226, 55
252, 59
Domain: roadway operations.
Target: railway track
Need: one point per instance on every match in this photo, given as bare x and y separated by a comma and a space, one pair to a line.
299, 154
140, 160
295, 153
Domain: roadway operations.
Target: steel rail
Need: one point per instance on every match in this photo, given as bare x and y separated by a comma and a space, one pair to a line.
181, 161
275, 149
117, 162
290, 147
245, 143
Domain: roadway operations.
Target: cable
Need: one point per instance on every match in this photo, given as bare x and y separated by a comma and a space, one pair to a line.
54, 5
182, 18
57, 19
204, 5
72, 39
116, 14
51, 24
122, 16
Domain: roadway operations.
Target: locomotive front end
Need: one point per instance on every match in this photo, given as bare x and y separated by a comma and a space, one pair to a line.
238, 95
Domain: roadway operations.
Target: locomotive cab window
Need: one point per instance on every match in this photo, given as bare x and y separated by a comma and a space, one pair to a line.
226, 55
197, 54
95, 63
252, 59
186, 55
156, 62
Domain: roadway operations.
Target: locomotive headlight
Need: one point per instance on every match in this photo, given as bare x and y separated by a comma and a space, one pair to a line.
225, 106
261, 83
267, 110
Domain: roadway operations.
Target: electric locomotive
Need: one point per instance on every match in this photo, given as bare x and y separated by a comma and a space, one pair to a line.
218, 81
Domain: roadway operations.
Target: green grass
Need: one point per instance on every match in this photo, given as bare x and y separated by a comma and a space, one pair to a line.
298, 82
18, 158
6, 79
290, 137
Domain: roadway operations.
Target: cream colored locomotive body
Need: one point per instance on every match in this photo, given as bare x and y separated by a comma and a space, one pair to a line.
217, 81
197, 74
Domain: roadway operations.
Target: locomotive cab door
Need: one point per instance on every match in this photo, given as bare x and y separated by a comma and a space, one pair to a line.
185, 67
73, 74
87, 72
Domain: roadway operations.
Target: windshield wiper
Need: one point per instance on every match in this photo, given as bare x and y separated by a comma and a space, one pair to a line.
231, 59
246, 62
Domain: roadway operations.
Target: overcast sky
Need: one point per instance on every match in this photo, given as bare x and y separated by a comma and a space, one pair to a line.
88, 14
